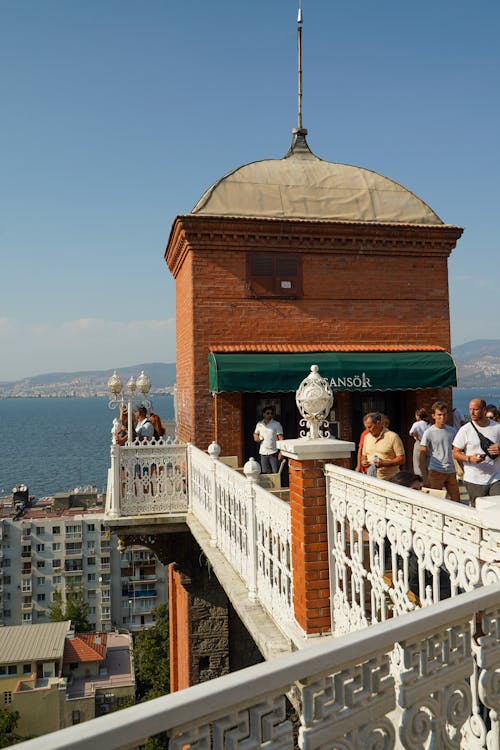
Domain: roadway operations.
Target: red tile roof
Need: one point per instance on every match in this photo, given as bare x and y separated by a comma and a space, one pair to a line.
85, 647
297, 348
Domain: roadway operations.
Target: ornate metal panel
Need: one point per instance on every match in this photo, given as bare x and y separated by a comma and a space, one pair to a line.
273, 548
262, 725
232, 518
435, 692
153, 478
201, 483
392, 549
347, 709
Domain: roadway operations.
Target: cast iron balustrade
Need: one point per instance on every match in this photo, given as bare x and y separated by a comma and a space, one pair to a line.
424, 679
393, 549
415, 660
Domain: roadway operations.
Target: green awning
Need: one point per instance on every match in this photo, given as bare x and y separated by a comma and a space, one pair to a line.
346, 371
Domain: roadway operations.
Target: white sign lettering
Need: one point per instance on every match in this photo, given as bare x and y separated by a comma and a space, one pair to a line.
353, 381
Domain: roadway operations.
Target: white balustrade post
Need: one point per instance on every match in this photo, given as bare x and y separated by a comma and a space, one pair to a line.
114, 509
130, 427
252, 471
214, 450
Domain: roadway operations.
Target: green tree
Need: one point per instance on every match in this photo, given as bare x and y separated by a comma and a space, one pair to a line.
8, 722
151, 658
76, 609
152, 667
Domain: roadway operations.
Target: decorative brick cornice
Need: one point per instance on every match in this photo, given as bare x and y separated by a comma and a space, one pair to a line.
210, 233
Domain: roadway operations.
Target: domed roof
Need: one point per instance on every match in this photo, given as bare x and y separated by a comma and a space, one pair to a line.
301, 186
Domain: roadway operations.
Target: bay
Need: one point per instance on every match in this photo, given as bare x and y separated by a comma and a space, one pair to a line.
57, 444
462, 396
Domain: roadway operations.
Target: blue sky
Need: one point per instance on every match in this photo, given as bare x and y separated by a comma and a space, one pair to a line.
118, 114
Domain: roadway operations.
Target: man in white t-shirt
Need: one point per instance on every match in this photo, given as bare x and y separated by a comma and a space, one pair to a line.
481, 471
267, 432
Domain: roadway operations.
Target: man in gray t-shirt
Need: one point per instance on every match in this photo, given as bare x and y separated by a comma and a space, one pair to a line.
436, 454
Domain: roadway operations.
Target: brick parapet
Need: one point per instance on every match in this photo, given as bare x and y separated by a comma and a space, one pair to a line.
309, 545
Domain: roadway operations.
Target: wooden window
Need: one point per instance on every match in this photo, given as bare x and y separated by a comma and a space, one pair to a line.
274, 275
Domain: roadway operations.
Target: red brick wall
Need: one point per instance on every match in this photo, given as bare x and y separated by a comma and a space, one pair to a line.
180, 666
363, 284
311, 584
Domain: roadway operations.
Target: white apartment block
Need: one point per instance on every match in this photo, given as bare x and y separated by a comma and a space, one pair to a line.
48, 548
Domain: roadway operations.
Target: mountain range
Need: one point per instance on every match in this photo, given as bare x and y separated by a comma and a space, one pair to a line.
89, 382
478, 364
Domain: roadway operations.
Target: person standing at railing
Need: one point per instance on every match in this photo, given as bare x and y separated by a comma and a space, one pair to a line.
143, 428
477, 445
436, 454
417, 429
267, 432
382, 448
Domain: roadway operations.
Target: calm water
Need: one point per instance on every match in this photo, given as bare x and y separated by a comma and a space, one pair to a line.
56, 444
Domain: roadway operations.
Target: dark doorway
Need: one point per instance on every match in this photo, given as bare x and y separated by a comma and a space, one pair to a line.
286, 413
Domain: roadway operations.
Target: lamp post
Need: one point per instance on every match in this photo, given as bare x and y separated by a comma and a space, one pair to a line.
119, 395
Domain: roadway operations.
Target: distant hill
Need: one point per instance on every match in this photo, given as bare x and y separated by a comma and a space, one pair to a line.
88, 382
478, 363
477, 349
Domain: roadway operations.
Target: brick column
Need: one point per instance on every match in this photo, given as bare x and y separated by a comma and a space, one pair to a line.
311, 580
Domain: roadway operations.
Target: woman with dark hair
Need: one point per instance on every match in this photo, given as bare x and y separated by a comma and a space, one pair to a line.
492, 412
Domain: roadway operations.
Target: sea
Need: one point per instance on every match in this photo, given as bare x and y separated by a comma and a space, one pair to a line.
58, 444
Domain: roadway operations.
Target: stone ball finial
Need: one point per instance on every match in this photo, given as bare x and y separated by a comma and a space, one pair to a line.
214, 450
252, 469
314, 400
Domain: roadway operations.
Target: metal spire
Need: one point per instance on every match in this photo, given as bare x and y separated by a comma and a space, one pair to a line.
299, 54
299, 144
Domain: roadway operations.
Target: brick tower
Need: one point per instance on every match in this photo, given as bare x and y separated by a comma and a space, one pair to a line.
288, 262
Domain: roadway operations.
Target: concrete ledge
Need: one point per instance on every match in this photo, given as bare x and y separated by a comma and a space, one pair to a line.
327, 449
148, 524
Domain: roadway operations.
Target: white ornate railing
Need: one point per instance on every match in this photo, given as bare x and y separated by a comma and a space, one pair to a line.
393, 549
445, 695
250, 526
148, 478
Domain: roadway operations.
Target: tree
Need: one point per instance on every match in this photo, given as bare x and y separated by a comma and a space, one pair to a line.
152, 667
151, 658
8, 722
76, 609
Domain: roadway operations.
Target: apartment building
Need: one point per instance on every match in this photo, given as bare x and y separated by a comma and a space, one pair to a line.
64, 542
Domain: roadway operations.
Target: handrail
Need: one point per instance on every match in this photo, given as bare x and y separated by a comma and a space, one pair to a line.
352, 669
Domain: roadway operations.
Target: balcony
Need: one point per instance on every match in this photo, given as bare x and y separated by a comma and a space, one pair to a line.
74, 552
414, 658
78, 568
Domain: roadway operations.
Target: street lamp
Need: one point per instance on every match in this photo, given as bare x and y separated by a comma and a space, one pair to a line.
119, 394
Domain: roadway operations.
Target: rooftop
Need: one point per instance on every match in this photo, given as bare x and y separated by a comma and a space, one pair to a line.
24, 643
85, 647
302, 186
